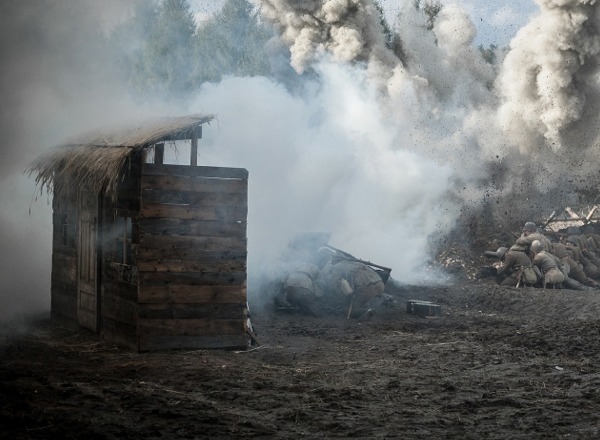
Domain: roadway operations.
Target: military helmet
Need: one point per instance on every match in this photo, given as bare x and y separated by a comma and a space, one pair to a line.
497, 254
518, 247
572, 240
530, 227
537, 246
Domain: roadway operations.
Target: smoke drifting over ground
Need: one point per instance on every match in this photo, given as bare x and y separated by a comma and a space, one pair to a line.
382, 152
327, 161
494, 135
55, 81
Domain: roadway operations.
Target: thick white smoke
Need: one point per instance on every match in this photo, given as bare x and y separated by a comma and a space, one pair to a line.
546, 74
327, 160
56, 81
381, 152
445, 104
347, 30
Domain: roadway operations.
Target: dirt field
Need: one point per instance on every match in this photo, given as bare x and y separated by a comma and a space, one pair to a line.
499, 363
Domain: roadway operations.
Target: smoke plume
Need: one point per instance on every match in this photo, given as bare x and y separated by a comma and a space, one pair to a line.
57, 80
383, 148
347, 30
547, 73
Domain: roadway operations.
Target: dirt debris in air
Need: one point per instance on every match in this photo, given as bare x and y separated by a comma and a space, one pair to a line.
499, 363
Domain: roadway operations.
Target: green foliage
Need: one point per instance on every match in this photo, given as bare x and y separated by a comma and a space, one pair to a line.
431, 9
387, 31
163, 54
489, 54
233, 42
169, 50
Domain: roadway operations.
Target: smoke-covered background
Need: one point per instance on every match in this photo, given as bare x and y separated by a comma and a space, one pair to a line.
387, 124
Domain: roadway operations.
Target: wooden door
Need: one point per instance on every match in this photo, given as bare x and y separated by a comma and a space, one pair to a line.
87, 276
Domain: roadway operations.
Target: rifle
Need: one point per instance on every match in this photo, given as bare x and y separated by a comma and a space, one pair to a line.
346, 256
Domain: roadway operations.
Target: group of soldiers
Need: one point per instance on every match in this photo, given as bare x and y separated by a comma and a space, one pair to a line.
567, 259
331, 280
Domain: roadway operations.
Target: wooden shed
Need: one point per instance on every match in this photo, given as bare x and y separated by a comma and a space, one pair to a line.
151, 255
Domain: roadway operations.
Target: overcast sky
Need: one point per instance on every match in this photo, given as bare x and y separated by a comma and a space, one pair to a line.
497, 21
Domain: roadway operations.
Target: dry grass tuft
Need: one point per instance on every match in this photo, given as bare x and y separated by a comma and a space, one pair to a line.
95, 161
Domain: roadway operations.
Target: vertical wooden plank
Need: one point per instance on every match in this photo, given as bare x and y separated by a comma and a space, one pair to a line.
194, 149
159, 153
87, 276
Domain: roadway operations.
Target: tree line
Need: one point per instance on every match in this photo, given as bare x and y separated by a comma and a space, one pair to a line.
163, 53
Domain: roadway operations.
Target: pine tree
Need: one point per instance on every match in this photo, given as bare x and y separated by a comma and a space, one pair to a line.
233, 42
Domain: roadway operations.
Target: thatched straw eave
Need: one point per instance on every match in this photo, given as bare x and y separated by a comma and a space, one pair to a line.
96, 160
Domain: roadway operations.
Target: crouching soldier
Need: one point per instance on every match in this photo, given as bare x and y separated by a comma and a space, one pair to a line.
548, 265
351, 285
301, 289
515, 267
531, 233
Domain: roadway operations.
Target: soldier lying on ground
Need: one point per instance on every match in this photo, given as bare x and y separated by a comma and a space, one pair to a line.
351, 284
338, 282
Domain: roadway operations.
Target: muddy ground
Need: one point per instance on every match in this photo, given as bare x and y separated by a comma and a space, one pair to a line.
499, 363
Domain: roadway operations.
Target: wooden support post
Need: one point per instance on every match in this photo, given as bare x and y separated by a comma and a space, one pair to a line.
159, 154
572, 214
549, 219
590, 215
194, 150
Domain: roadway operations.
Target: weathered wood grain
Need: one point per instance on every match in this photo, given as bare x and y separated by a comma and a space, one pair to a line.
191, 266
195, 184
192, 311
200, 199
184, 243
170, 226
190, 254
193, 279
184, 170
190, 327
184, 294
188, 212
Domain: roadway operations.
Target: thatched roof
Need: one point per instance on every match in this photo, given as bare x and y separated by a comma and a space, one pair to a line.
95, 160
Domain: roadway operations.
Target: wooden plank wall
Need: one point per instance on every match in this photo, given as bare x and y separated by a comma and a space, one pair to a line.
118, 296
63, 290
191, 257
